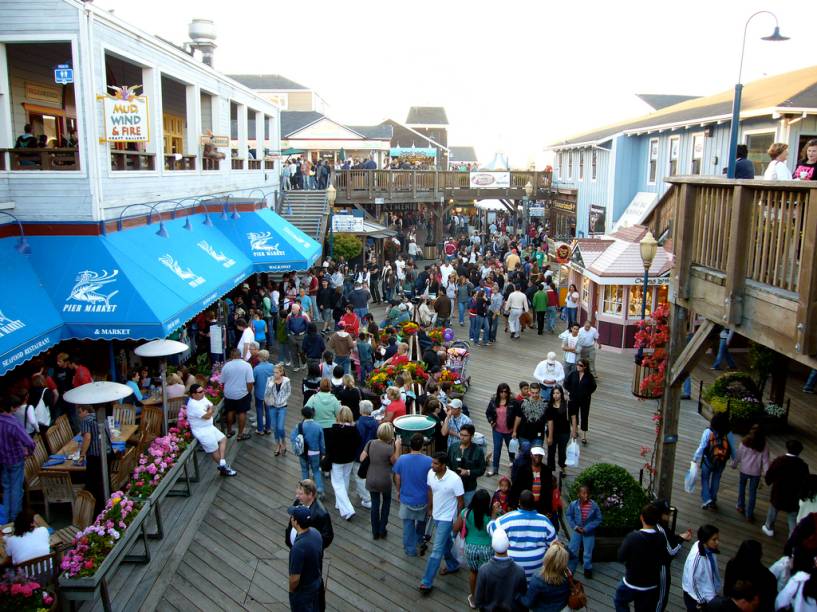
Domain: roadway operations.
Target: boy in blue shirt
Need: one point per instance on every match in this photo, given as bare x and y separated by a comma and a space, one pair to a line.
583, 516
365, 355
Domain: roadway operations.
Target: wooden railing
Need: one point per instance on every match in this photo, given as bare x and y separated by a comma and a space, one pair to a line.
428, 183
210, 163
753, 244
269, 164
186, 162
237, 163
41, 159
132, 160
254, 164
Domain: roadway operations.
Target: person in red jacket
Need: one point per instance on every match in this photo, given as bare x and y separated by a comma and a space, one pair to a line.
351, 322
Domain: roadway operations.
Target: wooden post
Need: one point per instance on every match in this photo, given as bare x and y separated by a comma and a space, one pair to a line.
670, 407
682, 238
414, 184
806, 281
736, 255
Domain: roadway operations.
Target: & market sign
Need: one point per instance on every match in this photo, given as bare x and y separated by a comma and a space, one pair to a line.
126, 115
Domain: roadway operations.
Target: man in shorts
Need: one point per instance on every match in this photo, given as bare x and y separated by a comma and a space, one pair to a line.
238, 379
200, 417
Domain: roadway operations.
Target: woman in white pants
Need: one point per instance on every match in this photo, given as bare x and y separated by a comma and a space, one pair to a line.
342, 443
516, 304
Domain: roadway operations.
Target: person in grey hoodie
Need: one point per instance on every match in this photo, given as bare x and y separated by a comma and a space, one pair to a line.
501, 582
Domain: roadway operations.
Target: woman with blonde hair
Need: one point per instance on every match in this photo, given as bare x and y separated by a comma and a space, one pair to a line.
382, 452
396, 407
548, 591
342, 443
777, 170
175, 386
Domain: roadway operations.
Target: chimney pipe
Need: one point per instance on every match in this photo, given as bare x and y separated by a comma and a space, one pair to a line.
202, 34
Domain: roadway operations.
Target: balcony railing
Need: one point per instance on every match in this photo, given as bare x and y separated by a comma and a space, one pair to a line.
428, 183
254, 164
745, 255
237, 163
185, 162
210, 163
41, 159
269, 164
132, 160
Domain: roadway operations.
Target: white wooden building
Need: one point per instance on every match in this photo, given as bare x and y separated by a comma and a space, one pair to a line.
75, 173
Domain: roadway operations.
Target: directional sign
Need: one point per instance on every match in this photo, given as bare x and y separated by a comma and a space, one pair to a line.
63, 74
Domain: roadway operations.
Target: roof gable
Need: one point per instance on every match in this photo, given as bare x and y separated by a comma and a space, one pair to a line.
374, 132
266, 81
324, 129
292, 121
776, 91
427, 115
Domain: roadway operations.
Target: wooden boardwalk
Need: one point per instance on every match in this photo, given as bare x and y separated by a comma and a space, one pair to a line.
225, 550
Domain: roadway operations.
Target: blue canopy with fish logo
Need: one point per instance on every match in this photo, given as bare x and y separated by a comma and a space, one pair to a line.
271, 242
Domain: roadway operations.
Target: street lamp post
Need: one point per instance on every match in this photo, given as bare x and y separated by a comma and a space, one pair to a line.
526, 199
648, 247
775, 36
331, 194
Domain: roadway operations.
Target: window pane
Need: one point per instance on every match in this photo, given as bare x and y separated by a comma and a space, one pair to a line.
634, 303
758, 145
613, 298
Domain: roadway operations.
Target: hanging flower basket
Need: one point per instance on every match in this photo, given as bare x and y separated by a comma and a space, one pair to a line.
648, 383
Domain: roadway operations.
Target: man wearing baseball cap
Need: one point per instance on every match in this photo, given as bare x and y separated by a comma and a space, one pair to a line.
454, 420
304, 562
501, 582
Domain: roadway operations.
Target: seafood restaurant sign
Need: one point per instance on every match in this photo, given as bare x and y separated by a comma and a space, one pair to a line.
126, 115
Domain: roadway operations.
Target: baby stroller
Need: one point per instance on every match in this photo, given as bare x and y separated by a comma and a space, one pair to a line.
458, 356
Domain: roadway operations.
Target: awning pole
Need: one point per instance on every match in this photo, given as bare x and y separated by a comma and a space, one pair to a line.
112, 361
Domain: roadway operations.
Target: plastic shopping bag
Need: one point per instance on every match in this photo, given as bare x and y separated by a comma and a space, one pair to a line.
782, 571
458, 549
573, 452
691, 477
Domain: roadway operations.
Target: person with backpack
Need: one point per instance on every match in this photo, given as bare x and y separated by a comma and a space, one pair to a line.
715, 449
308, 445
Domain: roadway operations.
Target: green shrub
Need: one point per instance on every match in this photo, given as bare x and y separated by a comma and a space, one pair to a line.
732, 384
617, 493
347, 246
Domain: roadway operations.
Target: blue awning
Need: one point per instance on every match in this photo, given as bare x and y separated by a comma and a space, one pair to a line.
135, 284
29, 323
271, 242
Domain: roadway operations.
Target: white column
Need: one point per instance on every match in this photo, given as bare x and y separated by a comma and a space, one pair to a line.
193, 131
242, 133
260, 137
221, 126
152, 88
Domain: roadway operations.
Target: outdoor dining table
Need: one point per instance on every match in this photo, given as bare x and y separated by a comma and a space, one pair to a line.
39, 521
70, 447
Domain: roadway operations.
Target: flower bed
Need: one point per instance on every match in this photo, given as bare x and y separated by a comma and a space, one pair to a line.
159, 459
19, 593
457, 384
737, 394
409, 328
93, 544
384, 376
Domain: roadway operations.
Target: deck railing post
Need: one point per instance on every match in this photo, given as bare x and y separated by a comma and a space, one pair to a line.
806, 343
682, 238
736, 255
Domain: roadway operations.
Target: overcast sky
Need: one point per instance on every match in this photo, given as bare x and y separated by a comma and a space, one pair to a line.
512, 75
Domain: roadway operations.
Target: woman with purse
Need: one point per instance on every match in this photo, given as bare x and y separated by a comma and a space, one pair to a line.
381, 452
549, 590
472, 526
342, 442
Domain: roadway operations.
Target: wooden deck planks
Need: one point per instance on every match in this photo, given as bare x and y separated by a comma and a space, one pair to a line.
235, 558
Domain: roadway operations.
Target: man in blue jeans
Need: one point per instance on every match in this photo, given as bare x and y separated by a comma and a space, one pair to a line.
723, 350
314, 448
410, 481
15, 446
445, 493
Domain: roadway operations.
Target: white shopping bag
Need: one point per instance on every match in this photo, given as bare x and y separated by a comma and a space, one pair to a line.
458, 549
691, 477
782, 571
573, 452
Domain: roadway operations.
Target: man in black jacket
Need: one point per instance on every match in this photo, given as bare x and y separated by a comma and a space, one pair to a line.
307, 495
535, 476
643, 553
786, 475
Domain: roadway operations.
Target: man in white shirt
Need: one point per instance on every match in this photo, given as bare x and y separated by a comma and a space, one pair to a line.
400, 268
587, 344
247, 338
550, 373
446, 270
445, 501
238, 379
570, 340
517, 303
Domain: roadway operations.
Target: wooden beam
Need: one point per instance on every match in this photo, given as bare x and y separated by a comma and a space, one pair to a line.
692, 351
682, 239
366, 213
670, 407
807, 283
736, 256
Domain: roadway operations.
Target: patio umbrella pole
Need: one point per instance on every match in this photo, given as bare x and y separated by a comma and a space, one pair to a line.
163, 370
102, 426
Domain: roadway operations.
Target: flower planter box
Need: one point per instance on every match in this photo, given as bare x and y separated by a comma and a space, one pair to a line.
639, 374
608, 541
770, 424
95, 587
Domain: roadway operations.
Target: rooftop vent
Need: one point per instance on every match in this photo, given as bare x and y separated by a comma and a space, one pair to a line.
202, 34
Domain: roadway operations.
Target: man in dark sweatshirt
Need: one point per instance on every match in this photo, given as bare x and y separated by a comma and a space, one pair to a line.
643, 553
501, 582
786, 475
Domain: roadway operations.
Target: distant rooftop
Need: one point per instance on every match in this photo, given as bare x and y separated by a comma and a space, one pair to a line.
266, 81
427, 115
659, 101
292, 121
373, 132
462, 154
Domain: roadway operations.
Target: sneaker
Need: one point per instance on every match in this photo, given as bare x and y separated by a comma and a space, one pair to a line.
367, 505
705, 505
767, 531
226, 470
489, 473
805, 390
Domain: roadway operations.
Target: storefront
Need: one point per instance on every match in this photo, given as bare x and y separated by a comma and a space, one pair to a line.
609, 276
562, 214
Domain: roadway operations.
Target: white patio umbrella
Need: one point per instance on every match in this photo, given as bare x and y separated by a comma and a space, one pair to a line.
99, 394
162, 349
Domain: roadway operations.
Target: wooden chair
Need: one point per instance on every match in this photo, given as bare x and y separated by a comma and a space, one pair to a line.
31, 474
43, 570
40, 452
173, 407
122, 470
57, 489
56, 437
151, 426
83, 516
125, 414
